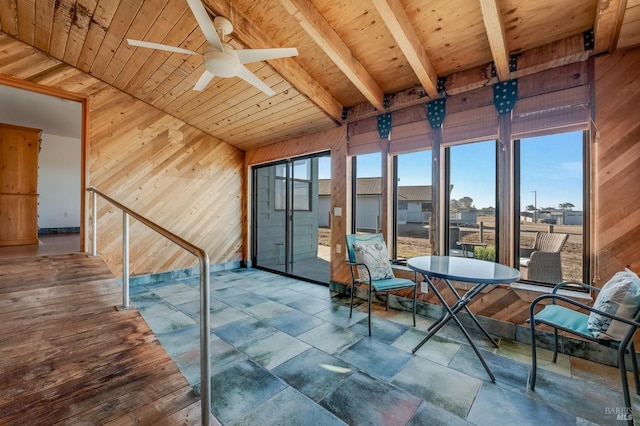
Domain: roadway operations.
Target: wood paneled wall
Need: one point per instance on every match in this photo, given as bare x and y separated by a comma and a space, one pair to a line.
170, 172
617, 180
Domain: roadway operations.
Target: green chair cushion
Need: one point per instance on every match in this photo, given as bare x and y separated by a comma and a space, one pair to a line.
565, 318
391, 283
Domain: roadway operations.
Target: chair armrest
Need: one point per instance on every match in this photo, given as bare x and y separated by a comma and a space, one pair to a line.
565, 283
545, 256
526, 252
359, 280
578, 304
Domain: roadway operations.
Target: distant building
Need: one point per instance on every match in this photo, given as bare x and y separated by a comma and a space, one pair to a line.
464, 216
556, 216
565, 217
487, 211
414, 203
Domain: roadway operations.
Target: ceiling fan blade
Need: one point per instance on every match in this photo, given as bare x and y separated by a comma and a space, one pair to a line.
247, 56
249, 77
204, 21
158, 46
203, 81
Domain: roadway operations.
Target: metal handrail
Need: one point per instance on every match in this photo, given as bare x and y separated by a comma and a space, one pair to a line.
203, 257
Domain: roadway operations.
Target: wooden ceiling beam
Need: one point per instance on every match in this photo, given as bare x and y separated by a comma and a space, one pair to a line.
564, 52
247, 33
395, 18
606, 28
497, 37
330, 42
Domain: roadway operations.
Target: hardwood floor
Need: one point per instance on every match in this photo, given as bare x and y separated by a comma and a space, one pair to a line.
67, 355
48, 244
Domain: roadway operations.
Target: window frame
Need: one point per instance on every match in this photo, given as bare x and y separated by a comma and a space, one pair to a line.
394, 200
447, 196
538, 111
294, 182
586, 221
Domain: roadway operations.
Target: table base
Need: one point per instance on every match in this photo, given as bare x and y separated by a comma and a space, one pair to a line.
462, 303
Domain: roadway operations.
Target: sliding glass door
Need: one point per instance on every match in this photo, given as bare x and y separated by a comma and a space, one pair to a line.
291, 227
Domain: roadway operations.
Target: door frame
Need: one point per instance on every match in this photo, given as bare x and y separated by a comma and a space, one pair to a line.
84, 139
288, 162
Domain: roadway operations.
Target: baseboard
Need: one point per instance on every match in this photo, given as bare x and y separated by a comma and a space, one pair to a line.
63, 230
181, 273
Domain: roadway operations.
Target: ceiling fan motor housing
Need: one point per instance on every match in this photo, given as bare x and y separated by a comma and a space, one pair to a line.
222, 64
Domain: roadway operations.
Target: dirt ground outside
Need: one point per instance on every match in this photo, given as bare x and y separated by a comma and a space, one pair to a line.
413, 240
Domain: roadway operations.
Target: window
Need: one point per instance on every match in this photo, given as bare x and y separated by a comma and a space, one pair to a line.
491, 194
551, 201
413, 204
471, 181
368, 193
301, 185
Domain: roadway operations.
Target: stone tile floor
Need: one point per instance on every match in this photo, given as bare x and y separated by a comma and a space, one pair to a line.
286, 352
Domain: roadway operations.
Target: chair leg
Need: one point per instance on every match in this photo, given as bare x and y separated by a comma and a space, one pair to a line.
369, 311
534, 361
625, 385
387, 304
555, 345
634, 363
415, 293
353, 290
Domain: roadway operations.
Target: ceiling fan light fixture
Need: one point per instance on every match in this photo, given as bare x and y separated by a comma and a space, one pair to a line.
220, 59
223, 26
222, 64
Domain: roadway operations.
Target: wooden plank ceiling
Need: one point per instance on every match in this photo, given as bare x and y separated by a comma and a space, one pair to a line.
352, 53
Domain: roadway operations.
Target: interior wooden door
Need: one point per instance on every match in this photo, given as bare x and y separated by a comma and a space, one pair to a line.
19, 148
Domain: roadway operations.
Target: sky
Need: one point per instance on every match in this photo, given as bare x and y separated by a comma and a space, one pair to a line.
550, 165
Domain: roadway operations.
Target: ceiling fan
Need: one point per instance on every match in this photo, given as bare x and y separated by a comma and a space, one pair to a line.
220, 59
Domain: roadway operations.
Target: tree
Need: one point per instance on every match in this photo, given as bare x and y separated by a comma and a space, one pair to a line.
465, 203
566, 206
530, 207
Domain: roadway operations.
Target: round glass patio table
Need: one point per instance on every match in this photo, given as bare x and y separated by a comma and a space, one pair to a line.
452, 268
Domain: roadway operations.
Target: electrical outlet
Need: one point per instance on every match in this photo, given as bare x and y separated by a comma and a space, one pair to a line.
424, 287
338, 248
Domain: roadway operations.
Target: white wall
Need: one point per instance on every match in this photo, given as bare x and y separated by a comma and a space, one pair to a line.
324, 206
59, 182
571, 217
414, 211
368, 212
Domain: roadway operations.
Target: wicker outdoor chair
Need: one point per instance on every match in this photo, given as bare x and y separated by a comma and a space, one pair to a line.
543, 259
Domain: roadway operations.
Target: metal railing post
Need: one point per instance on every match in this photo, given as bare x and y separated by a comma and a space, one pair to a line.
125, 260
205, 316
205, 352
94, 224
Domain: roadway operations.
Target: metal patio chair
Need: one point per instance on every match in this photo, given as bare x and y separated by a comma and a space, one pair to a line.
576, 323
361, 272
